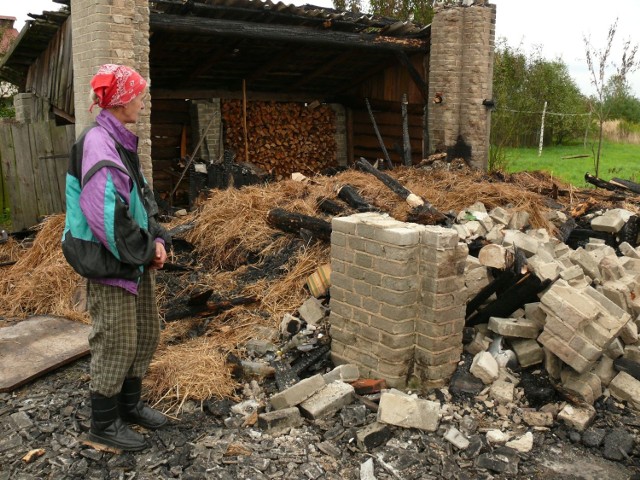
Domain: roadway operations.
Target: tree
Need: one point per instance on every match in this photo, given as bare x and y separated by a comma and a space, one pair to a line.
607, 88
521, 84
7, 91
418, 11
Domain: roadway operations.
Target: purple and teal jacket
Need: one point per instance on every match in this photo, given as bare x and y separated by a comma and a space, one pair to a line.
111, 226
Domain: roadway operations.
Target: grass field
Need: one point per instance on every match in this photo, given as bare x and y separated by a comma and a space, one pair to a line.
620, 160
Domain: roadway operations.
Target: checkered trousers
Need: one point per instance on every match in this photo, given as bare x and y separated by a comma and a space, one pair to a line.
125, 333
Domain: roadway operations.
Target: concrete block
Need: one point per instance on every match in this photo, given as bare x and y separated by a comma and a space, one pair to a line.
280, 421
402, 410
312, 311
495, 256
297, 393
485, 367
552, 364
456, 438
586, 386
605, 370
529, 352
537, 419
632, 352
629, 333
588, 264
327, 401
514, 327
562, 350
502, 392
532, 311
348, 372
615, 349
519, 220
522, 241
611, 268
500, 215
628, 251
606, 223
372, 436
626, 388
522, 444
578, 418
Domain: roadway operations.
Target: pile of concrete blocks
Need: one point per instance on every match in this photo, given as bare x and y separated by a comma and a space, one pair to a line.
585, 320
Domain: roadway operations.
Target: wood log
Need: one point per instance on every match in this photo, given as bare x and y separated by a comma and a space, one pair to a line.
524, 291
293, 222
601, 183
330, 207
350, 195
626, 184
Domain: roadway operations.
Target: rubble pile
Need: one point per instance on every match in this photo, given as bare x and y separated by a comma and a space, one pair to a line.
583, 330
550, 361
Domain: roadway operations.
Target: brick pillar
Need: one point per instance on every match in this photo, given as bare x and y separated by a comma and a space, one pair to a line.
397, 299
341, 134
374, 294
203, 112
23, 103
441, 314
111, 31
461, 75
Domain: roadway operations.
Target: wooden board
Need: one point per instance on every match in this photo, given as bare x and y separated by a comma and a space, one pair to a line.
33, 347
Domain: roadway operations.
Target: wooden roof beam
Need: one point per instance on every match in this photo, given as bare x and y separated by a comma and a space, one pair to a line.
290, 34
323, 69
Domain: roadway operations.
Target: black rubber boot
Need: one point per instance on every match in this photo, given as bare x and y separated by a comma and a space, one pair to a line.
107, 427
133, 410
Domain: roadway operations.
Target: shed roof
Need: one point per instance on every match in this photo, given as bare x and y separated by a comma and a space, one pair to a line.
213, 45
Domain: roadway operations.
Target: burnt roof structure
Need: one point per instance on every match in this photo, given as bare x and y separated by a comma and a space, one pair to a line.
211, 46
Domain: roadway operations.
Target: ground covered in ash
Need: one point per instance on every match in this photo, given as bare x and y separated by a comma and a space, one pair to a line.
51, 415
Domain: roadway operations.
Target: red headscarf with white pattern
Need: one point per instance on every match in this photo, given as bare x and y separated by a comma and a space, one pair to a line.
116, 85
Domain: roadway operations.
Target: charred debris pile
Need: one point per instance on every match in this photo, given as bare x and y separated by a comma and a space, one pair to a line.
551, 327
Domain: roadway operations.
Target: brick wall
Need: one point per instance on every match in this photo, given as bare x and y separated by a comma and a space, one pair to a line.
461, 74
397, 298
111, 31
206, 115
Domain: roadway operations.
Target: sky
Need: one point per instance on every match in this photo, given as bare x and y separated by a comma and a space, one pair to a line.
557, 27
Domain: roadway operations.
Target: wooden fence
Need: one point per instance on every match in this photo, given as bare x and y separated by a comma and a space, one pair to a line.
34, 158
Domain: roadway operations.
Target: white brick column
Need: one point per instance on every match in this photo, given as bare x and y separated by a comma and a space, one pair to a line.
397, 299
111, 31
460, 78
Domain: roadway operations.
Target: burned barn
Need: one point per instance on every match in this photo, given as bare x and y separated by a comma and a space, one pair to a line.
278, 88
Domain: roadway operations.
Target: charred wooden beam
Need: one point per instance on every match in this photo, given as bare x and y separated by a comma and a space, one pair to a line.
413, 73
626, 184
524, 291
330, 207
350, 195
600, 183
291, 34
294, 222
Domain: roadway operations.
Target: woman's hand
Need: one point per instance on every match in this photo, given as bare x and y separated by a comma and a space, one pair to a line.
160, 258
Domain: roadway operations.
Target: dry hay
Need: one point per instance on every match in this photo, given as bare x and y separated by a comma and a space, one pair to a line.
41, 282
194, 370
232, 224
10, 251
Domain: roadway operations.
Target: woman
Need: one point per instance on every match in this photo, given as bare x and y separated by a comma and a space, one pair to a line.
113, 239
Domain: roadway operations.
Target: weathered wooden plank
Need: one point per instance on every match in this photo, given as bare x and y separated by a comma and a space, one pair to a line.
8, 158
43, 173
24, 173
62, 139
39, 345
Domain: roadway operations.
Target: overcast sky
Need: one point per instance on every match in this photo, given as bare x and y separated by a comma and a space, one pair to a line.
556, 26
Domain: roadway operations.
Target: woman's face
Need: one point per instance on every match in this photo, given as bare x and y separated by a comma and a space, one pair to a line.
130, 112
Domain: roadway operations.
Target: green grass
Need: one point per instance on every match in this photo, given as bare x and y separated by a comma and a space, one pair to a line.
620, 160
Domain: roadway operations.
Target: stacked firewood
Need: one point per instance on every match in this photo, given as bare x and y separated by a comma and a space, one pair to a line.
282, 138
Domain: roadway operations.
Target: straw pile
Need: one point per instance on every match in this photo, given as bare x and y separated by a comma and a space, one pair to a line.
230, 230
41, 282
